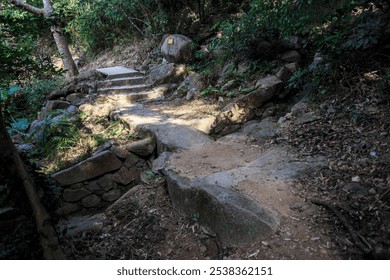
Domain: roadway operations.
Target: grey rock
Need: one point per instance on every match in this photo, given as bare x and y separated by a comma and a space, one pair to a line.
225, 72
112, 195
191, 86
88, 169
120, 151
241, 111
131, 160
292, 67
160, 162
36, 130
101, 185
230, 129
293, 43
264, 129
87, 75
104, 147
143, 148
218, 53
284, 74
299, 108
125, 175
145, 65
54, 105
291, 56
74, 195
25, 148
236, 219
72, 109
170, 135
307, 118
56, 94
78, 225
271, 82
177, 49
243, 67
356, 190
91, 201
165, 73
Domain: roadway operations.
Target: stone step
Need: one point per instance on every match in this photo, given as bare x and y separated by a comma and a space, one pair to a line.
239, 190
149, 95
136, 80
123, 89
189, 158
118, 72
171, 134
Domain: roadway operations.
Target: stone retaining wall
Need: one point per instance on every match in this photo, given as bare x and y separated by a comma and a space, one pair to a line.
103, 178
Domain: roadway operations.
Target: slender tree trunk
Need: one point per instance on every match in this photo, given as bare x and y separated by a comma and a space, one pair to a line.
63, 49
58, 35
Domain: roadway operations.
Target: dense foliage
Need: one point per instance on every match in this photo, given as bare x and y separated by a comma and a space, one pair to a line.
22, 54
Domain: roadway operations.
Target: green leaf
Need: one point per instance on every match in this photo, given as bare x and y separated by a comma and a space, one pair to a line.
20, 124
13, 89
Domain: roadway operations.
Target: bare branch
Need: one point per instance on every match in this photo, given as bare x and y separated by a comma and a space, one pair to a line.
28, 7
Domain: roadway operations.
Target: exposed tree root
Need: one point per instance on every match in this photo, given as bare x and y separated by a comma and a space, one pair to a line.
359, 240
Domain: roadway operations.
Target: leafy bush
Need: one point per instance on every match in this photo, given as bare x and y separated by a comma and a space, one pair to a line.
101, 24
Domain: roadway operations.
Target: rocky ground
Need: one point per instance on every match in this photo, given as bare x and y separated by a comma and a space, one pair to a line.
320, 164
332, 214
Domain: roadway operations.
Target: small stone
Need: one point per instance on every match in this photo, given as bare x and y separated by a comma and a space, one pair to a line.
292, 67
291, 56
283, 74
265, 243
356, 179
91, 201
372, 191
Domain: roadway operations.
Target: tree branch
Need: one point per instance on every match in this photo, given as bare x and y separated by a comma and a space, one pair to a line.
28, 7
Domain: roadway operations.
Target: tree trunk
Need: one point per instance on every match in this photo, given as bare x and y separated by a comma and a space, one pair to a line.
10, 159
59, 37
63, 49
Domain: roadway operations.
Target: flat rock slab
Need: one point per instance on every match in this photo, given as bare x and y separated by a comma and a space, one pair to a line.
170, 134
117, 71
242, 186
90, 168
236, 219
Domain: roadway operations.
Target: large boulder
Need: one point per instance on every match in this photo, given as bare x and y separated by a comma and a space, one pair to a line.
241, 110
166, 73
177, 49
52, 105
191, 86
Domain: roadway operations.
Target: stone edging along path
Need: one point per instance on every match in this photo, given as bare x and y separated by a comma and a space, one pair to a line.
236, 188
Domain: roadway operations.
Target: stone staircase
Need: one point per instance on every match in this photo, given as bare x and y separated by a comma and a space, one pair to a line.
238, 186
125, 81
